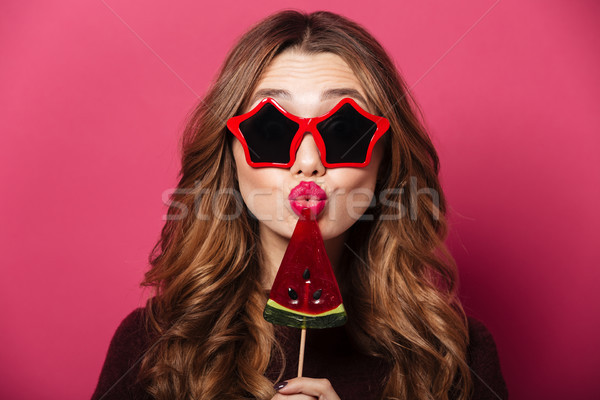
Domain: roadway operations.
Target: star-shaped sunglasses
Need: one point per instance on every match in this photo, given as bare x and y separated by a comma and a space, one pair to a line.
345, 136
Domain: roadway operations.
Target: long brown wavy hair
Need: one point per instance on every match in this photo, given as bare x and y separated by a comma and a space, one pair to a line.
399, 287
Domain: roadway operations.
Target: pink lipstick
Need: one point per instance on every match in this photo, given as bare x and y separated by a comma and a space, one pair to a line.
307, 195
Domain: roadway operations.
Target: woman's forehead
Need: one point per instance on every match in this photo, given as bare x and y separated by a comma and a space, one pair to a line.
299, 77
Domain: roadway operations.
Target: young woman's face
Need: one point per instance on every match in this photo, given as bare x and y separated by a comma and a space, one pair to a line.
307, 86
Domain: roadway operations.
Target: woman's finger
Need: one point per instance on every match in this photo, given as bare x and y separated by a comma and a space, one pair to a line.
280, 396
319, 388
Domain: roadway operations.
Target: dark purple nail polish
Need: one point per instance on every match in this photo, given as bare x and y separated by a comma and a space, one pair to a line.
279, 385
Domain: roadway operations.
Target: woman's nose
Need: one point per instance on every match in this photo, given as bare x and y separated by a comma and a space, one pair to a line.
308, 159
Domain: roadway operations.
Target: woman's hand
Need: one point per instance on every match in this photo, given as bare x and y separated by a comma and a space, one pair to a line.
305, 389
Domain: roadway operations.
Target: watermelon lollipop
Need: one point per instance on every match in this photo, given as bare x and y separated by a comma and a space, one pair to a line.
305, 293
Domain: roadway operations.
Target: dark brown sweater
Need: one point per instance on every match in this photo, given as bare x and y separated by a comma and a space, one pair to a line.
329, 354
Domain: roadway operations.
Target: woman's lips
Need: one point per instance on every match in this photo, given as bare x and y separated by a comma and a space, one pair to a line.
307, 195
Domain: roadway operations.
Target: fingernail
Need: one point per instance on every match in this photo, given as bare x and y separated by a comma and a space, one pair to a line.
279, 385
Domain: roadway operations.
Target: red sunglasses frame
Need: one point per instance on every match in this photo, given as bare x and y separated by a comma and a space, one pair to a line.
307, 125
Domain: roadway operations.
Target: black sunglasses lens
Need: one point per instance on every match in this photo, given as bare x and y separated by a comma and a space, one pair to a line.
346, 135
269, 135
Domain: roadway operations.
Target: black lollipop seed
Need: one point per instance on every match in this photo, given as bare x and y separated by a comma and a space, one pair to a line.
292, 293
306, 274
317, 294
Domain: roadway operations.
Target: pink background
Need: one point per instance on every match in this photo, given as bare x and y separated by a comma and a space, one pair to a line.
92, 99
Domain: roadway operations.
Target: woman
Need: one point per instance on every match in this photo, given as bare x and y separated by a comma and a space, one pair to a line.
203, 335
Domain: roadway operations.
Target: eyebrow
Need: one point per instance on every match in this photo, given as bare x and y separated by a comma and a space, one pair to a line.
326, 95
343, 92
262, 93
